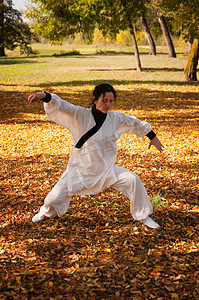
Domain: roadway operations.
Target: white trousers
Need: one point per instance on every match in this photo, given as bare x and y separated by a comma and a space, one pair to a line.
57, 201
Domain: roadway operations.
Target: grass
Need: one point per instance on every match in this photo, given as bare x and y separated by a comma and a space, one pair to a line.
157, 201
23, 73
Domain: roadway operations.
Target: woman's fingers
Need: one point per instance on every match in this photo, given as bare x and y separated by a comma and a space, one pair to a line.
155, 142
36, 97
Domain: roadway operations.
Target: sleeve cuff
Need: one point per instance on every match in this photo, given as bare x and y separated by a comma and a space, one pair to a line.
151, 134
47, 98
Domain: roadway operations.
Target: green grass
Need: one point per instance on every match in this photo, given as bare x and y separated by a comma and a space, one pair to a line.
47, 71
157, 201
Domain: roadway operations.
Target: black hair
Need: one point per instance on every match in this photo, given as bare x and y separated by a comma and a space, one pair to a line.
101, 89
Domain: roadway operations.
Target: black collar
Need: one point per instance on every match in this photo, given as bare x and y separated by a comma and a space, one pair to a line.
98, 115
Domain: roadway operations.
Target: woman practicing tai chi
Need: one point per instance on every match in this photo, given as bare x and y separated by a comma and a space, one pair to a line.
91, 166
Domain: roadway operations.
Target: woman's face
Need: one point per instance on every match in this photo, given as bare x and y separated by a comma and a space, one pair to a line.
104, 102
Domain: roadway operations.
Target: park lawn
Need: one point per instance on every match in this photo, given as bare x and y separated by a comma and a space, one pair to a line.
96, 250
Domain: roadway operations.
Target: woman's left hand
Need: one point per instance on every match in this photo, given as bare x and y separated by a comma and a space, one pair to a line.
156, 142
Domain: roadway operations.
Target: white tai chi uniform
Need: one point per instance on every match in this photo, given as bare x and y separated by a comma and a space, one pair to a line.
92, 168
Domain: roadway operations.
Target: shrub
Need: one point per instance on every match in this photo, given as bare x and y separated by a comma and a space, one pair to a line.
67, 53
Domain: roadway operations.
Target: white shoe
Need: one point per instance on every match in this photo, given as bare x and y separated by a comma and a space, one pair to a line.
150, 223
38, 218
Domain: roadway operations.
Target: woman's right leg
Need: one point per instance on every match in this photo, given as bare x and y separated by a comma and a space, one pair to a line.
56, 203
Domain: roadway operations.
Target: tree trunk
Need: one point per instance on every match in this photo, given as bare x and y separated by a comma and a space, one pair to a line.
167, 37
148, 36
2, 51
190, 70
189, 47
137, 56
190, 42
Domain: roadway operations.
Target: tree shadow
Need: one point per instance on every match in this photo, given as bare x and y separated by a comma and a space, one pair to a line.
116, 82
15, 106
134, 69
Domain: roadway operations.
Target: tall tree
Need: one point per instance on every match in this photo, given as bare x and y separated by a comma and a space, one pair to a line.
190, 70
66, 17
159, 6
137, 56
186, 15
2, 50
121, 14
167, 37
148, 35
14, 31
130, 11
57, 20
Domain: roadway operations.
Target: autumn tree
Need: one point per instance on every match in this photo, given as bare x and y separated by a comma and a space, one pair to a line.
186, 15
158, 6
121, 14
166, 34
57, 20
190, 70
14, 31
148, 35
2, 50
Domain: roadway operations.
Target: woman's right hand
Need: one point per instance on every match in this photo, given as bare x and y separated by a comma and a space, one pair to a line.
36, 97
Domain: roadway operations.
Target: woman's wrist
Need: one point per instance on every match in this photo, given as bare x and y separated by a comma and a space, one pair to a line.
47, 97
151, 135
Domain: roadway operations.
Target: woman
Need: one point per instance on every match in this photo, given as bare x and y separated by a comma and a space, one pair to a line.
91, 166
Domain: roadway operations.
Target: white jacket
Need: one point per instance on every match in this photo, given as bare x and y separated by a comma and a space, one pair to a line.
90, 168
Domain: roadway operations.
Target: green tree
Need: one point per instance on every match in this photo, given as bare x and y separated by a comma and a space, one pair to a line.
2, 50
120, 15
186, 15
158, 6
190, 70
148, 35
166, 34
57, 20
14, 31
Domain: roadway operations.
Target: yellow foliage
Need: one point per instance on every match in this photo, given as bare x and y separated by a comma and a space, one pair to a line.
98, 37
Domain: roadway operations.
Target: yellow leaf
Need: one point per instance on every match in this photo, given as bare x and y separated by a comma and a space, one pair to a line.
190, 232
50, 283
108, 274
174, 296
18, 278
72, 270
136, 259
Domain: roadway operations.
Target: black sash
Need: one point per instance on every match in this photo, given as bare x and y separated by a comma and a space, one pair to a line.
99, 120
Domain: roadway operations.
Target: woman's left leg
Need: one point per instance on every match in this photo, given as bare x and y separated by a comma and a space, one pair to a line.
131, 186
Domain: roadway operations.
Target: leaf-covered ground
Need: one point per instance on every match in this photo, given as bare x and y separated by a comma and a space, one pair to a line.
96, 250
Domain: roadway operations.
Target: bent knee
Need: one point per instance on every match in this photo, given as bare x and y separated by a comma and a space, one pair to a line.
54, 196
130, 177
